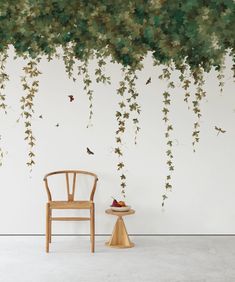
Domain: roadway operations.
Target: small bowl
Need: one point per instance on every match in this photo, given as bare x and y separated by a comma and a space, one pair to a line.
121, 209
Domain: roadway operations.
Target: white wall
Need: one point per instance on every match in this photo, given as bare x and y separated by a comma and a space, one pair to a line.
203, 196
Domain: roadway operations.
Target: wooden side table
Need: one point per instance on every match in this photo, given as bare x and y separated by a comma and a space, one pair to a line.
119, 238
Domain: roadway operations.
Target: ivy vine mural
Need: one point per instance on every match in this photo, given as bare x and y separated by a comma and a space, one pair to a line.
192, 37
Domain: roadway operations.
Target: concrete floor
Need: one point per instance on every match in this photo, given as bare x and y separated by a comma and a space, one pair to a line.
157, 259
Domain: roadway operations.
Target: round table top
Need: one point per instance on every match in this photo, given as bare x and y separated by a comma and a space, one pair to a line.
120, 213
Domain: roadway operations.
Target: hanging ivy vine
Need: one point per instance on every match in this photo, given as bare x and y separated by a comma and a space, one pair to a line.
195, 36
30, 85
128, 106
69, 61
184, 78
199, 95
3, 79
1, 154
220, 77
122, 116
166, 75
134, 107
83, 70
100, 73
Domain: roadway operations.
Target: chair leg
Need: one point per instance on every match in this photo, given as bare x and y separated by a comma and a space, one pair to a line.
92, 228
50, 226
47, 227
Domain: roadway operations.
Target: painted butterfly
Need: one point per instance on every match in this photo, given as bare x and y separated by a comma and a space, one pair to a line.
219, 129
89, 152
148, 81
71, 98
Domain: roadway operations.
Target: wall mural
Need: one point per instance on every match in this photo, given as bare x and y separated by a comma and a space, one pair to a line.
191, 36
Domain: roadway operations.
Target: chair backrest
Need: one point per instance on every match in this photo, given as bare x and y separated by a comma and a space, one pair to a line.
70, 192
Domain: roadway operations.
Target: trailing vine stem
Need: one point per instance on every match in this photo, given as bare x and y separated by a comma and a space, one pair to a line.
220, 77
199, 95
122, 115
100, 71
134, 107
166, 74
185, 81
233, 68
1, 155
3, 78
30, 85
127, 104
83, 70
68, 58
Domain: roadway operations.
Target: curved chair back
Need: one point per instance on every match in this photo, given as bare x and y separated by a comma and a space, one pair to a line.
70, 188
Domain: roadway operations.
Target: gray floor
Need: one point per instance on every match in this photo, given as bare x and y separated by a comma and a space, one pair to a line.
157, 259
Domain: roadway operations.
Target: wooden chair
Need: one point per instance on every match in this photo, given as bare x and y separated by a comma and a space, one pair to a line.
70, 204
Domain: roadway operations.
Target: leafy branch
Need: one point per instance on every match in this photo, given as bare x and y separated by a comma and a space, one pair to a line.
3, 78
69, 61
185, 81
122, 115
1, 154
199, 95
220, 77
83, 70
30, 85
134, 107
100, 71
166, 75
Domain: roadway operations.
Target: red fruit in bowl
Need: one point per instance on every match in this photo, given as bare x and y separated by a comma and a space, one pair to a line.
115, 203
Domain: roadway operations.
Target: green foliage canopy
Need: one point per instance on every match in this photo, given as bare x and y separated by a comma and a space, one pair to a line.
197, 32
